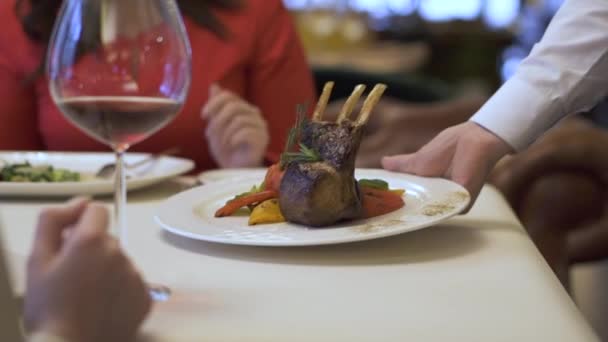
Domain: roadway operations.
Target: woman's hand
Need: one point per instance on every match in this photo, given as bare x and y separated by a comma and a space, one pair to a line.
237, 132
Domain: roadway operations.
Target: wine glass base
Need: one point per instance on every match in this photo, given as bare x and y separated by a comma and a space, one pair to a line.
159, 293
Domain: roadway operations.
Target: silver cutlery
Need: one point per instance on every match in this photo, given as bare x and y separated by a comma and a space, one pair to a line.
107, 170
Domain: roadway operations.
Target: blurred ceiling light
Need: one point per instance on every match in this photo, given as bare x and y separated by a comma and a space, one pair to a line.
500, 13
376, 9
296, 4
322, 3
402, 7
380, 9
495, 13
446, 10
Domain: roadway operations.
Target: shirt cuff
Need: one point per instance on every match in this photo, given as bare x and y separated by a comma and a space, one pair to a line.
519, 113
45, 337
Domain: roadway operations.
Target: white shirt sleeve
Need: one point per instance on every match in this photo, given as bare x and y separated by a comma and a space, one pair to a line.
566, 73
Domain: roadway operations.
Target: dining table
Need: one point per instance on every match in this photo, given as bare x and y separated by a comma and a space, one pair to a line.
474, 277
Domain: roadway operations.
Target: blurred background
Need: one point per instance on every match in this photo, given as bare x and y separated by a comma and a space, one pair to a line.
464, 43
453, 47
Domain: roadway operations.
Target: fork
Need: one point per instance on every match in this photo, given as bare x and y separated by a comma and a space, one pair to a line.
107, 170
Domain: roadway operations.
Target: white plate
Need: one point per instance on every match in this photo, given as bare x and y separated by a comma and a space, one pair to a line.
191, 213
87, 164
215, 175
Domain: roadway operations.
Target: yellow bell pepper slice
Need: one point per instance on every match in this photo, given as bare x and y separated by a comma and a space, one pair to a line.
266, 212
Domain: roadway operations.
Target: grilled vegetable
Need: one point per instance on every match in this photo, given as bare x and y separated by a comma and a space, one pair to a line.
374, 183
272, 181
233, 205
379, 184
266, 212
379, 202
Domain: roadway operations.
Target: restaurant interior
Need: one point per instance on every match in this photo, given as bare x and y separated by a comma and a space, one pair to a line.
441, 60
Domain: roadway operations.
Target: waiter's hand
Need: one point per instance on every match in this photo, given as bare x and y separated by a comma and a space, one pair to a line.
465, 153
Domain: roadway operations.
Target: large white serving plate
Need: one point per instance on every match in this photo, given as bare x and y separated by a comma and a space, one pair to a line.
87, 164
191, 213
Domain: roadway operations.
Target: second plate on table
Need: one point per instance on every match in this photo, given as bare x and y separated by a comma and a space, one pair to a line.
87, 164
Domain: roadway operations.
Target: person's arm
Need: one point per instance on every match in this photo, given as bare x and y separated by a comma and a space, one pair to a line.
566, 72
280, 76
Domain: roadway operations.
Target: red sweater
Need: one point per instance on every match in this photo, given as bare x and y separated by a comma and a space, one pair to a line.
263, 62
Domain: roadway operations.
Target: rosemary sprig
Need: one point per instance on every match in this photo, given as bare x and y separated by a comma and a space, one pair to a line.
309, 152
305, 154
296, 130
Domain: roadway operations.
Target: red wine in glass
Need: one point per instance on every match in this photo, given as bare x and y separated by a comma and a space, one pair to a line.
117, 120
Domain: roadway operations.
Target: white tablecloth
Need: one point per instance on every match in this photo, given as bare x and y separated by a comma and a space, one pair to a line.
475, 278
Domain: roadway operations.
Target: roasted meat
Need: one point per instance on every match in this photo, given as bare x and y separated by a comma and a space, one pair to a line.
323, 192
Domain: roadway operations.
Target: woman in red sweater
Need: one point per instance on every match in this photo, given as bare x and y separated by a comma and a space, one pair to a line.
248, 74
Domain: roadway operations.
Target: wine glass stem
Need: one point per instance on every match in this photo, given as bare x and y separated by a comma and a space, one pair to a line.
158, 293
120, 200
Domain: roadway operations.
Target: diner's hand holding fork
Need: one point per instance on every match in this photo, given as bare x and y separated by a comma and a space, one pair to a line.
80, 285
237, 133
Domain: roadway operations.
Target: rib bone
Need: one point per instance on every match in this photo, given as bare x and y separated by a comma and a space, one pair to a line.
351, 102
369, 104
323, 100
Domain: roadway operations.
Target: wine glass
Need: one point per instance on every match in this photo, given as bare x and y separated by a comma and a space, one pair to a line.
119, 70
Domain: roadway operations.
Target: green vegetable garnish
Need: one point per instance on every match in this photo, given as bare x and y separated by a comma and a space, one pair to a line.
26, 172
254, 189
374, 183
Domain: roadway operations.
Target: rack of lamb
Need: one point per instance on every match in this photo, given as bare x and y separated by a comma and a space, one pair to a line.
323, 192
